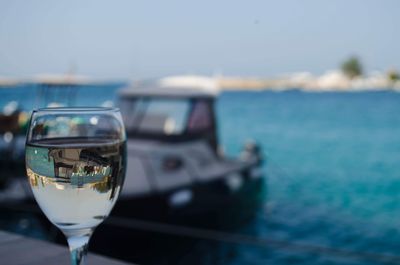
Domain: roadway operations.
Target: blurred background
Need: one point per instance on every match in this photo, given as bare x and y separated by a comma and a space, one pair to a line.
269, 130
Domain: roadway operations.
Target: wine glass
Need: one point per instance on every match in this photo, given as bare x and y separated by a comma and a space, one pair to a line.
75, 162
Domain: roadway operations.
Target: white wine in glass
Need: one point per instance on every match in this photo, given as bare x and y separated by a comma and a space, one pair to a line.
75, 162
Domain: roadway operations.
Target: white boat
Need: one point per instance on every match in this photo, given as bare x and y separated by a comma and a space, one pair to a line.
175, 168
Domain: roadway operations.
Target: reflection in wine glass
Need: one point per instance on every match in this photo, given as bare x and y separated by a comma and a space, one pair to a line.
75, 162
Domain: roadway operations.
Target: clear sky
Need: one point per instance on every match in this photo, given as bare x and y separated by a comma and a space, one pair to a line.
142, 39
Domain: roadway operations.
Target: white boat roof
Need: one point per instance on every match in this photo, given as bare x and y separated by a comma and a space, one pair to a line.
175, 86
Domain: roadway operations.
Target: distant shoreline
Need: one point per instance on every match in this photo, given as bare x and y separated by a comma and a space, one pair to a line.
289, 89
331, 81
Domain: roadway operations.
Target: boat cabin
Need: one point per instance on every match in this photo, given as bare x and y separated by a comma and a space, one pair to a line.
169, 114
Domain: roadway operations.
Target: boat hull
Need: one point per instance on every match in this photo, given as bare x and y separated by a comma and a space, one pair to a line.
149, 231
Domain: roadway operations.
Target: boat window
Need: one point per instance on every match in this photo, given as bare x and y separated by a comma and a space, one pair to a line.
166, 116
129, 114
200, 119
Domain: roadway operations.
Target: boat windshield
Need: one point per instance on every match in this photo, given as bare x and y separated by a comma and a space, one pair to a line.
165, 116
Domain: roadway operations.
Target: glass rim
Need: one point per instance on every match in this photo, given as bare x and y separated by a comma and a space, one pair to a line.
76, 109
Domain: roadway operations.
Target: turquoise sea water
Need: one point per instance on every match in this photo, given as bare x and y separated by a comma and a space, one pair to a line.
333, 172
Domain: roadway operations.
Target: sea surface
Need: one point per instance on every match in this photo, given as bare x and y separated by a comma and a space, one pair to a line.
332, 171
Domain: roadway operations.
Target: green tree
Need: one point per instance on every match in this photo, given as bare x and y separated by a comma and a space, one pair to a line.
393, 75
352, 67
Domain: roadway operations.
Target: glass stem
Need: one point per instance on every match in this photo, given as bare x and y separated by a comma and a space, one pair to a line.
78, 242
